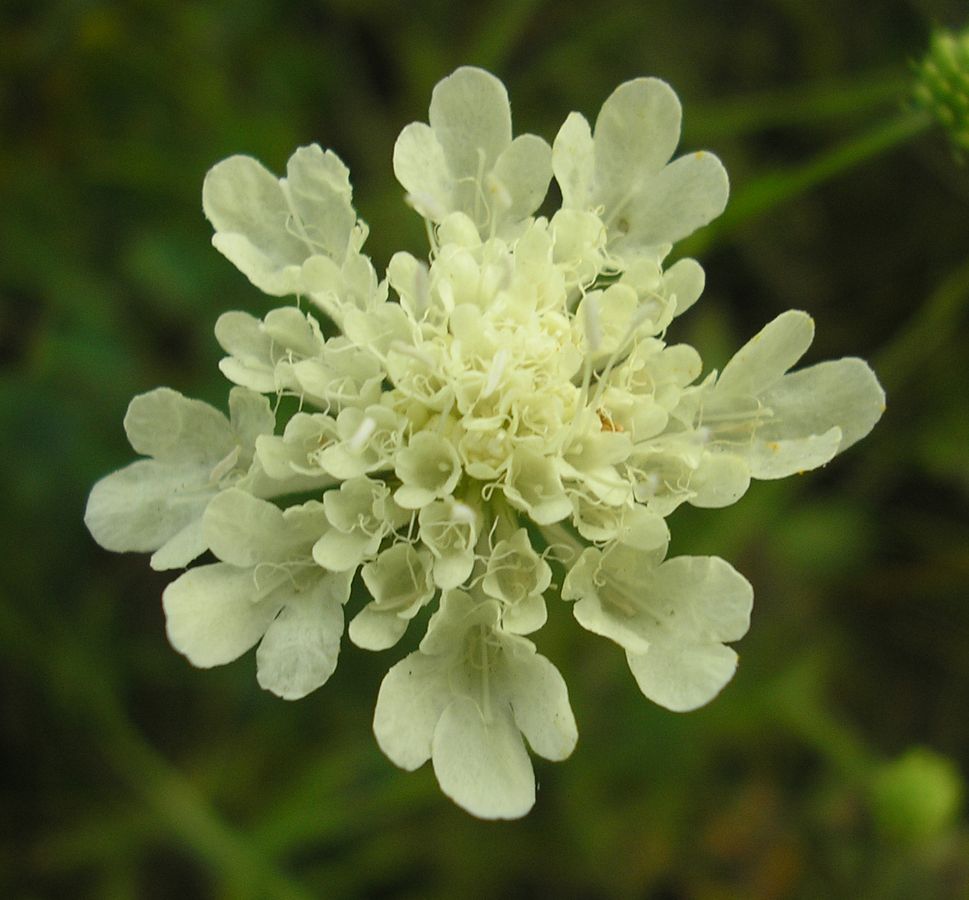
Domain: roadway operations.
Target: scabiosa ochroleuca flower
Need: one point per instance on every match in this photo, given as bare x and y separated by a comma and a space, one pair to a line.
510, 404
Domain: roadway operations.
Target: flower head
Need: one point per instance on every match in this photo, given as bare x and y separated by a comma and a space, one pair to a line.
942, 85
507, 406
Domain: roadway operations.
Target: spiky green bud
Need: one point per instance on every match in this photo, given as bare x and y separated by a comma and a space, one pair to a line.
942, 85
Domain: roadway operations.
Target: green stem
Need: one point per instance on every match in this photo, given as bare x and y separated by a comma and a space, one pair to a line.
775, 188
798, 106
356, 772
795, 702
932, 324
172, 797
104, 838
192, 819
500, 31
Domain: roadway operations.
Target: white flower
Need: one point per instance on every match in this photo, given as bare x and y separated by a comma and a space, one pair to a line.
262, 354
449, 529
400, 582
428, 468
513, 406
465, 699
266, 587
466, 161
157, 504
758, 420
292, 235
518, 577
623, 169
286, 353
780, 422
672, 618
359, 515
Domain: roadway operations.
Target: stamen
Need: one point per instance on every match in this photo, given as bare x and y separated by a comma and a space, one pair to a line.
226, 465
364, 430
485, 679
463, 513
593, 332
498, 190
294, 224
637, 319
426, 205
496, 371
413, 352
422, 297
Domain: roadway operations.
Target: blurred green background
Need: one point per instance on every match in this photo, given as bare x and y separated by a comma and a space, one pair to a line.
832, 766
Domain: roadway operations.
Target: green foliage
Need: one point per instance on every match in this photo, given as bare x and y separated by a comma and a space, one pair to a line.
134, 775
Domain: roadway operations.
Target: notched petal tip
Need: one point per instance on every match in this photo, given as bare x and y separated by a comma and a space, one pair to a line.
481, 763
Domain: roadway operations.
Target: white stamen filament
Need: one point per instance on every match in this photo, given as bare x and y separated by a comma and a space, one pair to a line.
226, 465
426, 205
413, 352
637, 319
497, 189
496, 371
364, 430
463, 513
485, 680
593, 332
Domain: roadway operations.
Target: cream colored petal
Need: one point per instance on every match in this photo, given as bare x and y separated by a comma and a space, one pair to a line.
684, 280
172, 428
293, 330
643, 529
251, 416
526, 616
340, 552
573, 162
412, 697
422, 170
540, 704
244, 530
299, 651
210, 614
720, 480
533, 485
700, 598
317, 187
247, 207
180, 549
144, 505
482, 765
376, 629
843, 393
452, 569
683, 197
471, 119
593, 615
770, 459
764, 359
636, 132
523, 171
249, 361
683, 678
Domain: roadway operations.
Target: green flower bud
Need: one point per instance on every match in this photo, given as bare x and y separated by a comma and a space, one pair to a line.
942, 84
917, 796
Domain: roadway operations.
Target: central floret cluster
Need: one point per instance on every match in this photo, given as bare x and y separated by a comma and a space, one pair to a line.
468, 426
